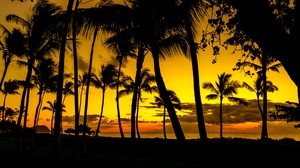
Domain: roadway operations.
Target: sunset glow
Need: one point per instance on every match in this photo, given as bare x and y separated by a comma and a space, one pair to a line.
177, 74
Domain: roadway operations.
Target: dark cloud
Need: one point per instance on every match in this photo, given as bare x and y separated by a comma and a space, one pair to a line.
231, 113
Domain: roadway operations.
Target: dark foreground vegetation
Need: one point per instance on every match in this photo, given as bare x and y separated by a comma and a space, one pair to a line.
110, 152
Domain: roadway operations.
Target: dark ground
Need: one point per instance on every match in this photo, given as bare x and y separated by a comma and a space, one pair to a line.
159, 153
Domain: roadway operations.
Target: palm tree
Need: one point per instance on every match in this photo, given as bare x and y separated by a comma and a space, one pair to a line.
10, 88
224, 87
258, 88
82, 81
40, 42
106, 79
75, 61
129, 20
52, 107
145, 86
159, 102
45, 80
265, 63
59, 94
193, 11
123, 49
10, 49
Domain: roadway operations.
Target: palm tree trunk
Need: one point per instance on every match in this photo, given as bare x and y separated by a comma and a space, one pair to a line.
22, 105
88, 89
221, 117
101, 114
117, 100
4, 74
25, 119
75, 60
4, 102
57, 145
265, 98
36, 118
164, 123
137, 81
198, 101
166, 99
137, 118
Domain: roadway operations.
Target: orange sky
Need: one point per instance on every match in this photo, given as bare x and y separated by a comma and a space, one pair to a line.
176, 71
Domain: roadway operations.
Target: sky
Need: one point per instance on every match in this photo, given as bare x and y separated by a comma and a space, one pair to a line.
177, 74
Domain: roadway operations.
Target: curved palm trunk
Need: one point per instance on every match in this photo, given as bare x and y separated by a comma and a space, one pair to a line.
75, 60
198, 101
88, 89
221, 118
137, 117
23, 105
25, 119
4, 102
36, 118
166, 99
101, 114
118, 102
264, 134
4, 73
139, 66
57, 146
164, 123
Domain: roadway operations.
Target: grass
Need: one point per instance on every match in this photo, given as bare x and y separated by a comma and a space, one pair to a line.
159, 153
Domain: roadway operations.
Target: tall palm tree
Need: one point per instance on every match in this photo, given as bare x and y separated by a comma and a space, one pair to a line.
261, 65
258, 88
39, 42
10, 88
10, 49
157, 35
124, 49
106, 79
159, 102
59, 94
192, 12
75, 61
224, 87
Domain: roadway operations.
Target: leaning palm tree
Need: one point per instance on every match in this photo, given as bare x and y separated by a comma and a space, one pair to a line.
159, 36
224, 87
191, 12
10, 88
159, 102
106, 79
258, 88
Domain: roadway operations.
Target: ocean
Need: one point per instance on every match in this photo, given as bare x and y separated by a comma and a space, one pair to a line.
275, 136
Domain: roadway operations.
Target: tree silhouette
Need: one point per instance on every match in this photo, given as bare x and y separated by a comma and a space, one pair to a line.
10, 88
258, 88
176, 103
105, 79
224, 87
